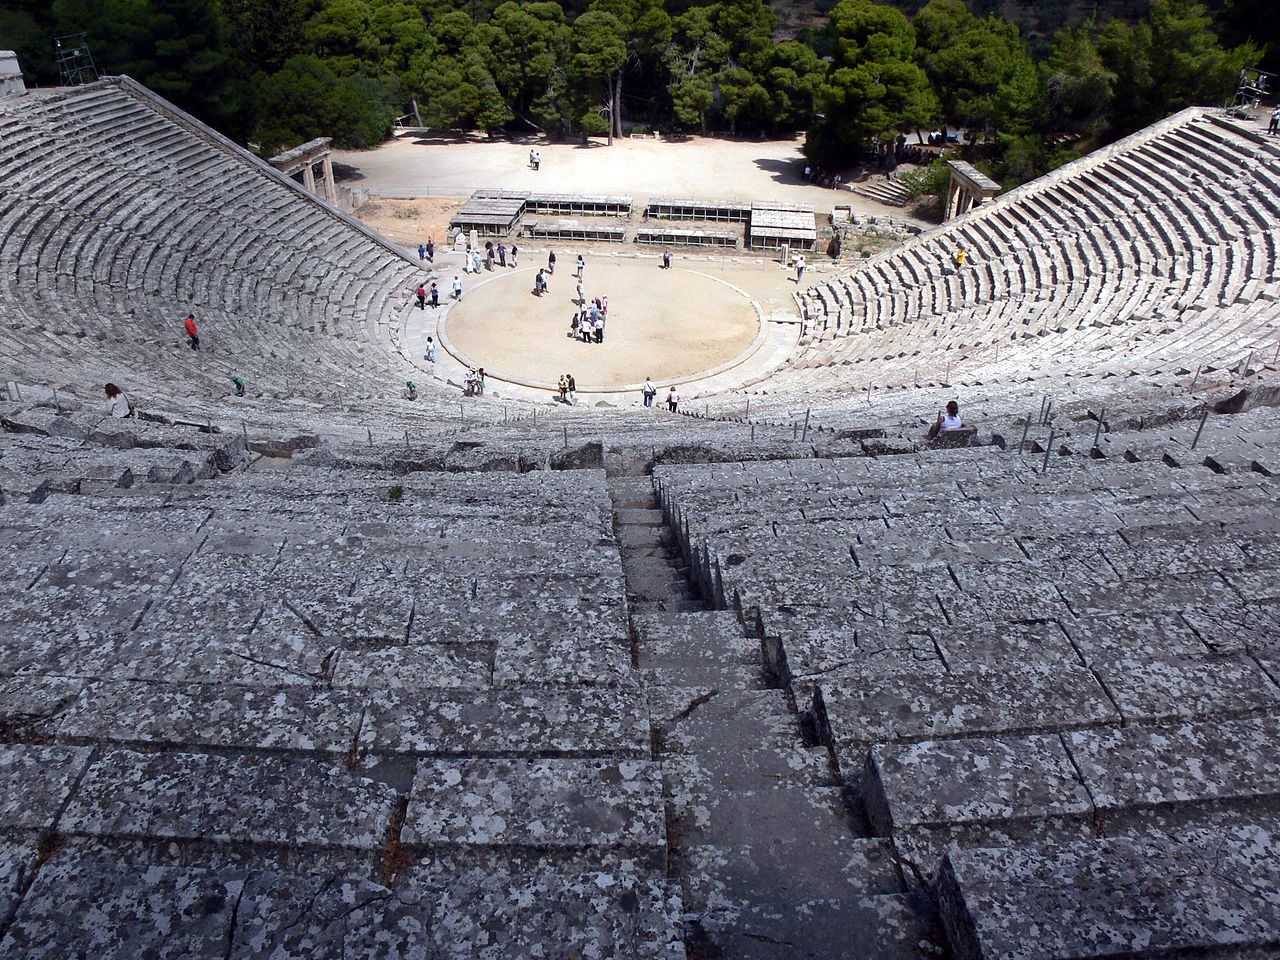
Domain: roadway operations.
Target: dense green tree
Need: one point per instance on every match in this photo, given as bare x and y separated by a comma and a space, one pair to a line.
598, 49
304, 99
1078, 85
1168, 61
523, 45
874, 89
979, 68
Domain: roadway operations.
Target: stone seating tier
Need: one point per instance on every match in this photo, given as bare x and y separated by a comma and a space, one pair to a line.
148, 240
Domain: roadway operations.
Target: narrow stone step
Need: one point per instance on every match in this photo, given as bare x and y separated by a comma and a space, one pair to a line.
887, 927
695, 649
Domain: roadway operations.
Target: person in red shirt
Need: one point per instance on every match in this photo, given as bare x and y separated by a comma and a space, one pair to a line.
191, 331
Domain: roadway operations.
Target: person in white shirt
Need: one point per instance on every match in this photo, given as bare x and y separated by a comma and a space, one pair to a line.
117, 403
673, 399
947, 421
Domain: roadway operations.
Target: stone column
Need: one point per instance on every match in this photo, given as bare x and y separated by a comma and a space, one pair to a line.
308, 177
330, 187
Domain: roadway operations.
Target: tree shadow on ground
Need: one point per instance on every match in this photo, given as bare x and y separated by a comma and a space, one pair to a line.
346, 173
784, 171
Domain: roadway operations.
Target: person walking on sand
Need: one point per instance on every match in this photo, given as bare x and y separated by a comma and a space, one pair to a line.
502, 255
551, 262
457, 287
666, 259
800, 264
515, 253
193, 336
582, 265
581, 297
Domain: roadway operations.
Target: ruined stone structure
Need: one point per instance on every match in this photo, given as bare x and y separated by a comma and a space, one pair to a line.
319, 673
968, 188
303, 159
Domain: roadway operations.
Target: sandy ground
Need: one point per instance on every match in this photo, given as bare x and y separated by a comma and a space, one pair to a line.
411, 221
698, 167
664, 324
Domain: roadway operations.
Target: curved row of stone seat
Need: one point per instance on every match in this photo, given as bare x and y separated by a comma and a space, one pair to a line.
401, 709
1022, 668
171, 219
1180, 220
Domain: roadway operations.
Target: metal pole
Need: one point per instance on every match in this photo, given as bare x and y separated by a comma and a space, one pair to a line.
1098, 433
753, 433
1203, 417
795, 430
244, 428
370, 436
504, 413
462, 412
1025, 430
1047, 450
805, 434
1048, 412
56, 404
566, 436
1195, 378
1040, 415
406, 441
1243, 373
748, 408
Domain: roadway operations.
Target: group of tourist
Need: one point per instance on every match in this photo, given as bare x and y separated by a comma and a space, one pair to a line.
821, 177
434, 295
427, 251
568, 389
474, 382
588, 323
535, 159
648, 391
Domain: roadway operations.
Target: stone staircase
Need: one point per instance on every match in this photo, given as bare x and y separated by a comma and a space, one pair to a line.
882, 190
773, 858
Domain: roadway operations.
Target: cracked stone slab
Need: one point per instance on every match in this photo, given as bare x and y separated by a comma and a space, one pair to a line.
281, 916
972, 781
29, 706
559, 803
564, 721
295, 719
1158, 687
529, 619
494, 911
123, 912
782, 868
35, 782
229, 800
518, 661
989, 701
187, 657
456, 666
163, 911
883, 927
1146, 896
1189, 763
